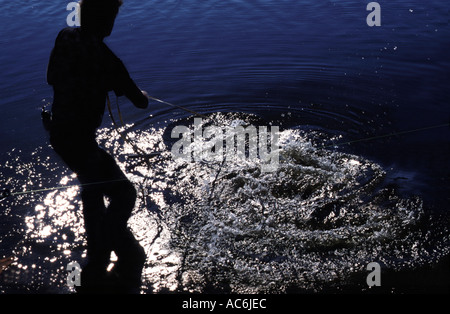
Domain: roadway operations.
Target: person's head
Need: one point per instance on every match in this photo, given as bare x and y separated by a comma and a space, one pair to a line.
97, 16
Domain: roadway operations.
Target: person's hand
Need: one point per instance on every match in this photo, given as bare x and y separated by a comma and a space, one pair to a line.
143, 101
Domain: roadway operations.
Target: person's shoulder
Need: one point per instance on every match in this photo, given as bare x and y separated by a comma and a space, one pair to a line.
69, 34
70, 31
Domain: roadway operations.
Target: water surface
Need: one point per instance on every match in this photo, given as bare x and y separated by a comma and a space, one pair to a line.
347, 192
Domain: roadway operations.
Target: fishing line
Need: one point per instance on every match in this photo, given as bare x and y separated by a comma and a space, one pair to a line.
180, 107
6, 192
140, 153
326, 146
124, 137
387, 135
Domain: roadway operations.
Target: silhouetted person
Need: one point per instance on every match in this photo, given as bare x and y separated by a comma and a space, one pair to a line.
82, 69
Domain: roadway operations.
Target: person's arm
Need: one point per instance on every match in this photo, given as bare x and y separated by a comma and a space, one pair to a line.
122, 84
134, 94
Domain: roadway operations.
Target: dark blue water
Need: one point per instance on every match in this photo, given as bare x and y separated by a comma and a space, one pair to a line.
311, 66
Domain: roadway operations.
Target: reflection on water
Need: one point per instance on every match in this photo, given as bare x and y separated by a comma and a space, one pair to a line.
311, 225
315, 69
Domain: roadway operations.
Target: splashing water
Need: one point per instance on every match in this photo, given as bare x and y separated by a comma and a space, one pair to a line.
207, 226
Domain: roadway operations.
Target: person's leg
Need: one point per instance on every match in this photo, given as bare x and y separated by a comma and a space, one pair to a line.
98, 247
82, 156
106, 228
122, 198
